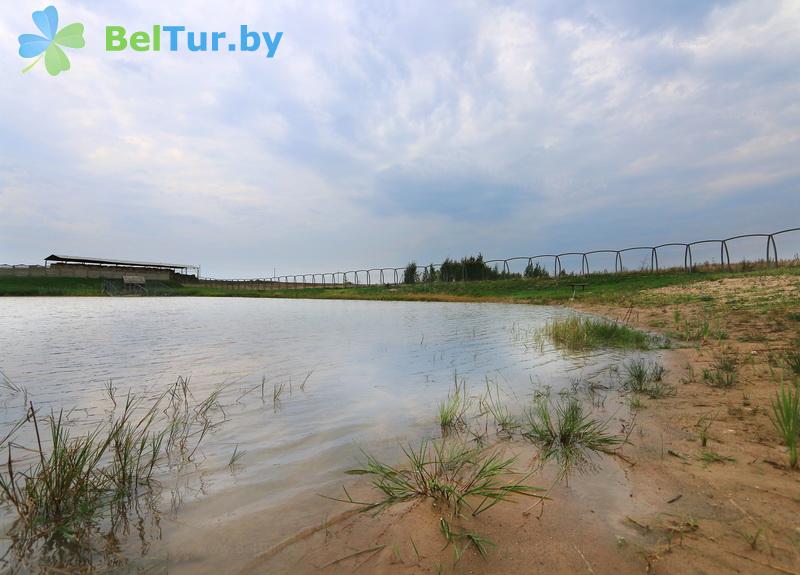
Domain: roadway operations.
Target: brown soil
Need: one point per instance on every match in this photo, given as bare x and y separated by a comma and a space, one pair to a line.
661, 509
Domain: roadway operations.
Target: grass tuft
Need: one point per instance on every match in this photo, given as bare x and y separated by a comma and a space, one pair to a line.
708, 457
582, 333
568, 434
724, 372
451, 473
506, 424
453, 410
647, 378
786, 418
704, 425
792, 360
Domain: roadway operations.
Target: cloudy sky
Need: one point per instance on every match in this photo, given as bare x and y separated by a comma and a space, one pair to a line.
385, 131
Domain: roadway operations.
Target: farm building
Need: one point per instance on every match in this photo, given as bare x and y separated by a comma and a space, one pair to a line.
90, 267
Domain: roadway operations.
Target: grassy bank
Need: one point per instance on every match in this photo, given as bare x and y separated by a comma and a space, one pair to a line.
601, 288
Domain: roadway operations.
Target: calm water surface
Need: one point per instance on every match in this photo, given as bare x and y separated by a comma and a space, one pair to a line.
373, 373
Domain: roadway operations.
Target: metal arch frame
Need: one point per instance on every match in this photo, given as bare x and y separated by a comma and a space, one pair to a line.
505, 266
427, 267
381, 276
667, 245
384, 271
617, 259
723, 250
292, 281
769, 237
770, 242
556, 262
774, 245
633, 249
362, 272
584, 262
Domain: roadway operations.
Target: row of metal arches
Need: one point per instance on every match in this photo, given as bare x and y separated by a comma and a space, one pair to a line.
387, 276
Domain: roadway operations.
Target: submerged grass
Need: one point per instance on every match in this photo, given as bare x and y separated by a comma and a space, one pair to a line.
453, 410
70, 499
567, 433
60, 499
583, 333
452, 473
505, 422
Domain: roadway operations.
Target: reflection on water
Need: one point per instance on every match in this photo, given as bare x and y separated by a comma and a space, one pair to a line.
349, 375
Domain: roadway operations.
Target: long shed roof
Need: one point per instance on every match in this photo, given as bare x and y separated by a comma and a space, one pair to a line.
109, 262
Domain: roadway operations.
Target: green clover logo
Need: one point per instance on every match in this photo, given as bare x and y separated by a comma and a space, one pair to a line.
49, 45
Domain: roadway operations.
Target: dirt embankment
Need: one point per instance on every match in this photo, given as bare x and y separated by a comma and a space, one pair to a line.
671, 505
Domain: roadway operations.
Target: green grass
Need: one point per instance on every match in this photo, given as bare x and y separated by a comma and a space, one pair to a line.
61, 499
568, 434
792, 359
582, 333
704, 425
480, 543
10, 286
453, 411
724, 372
491, 403
451, 473
708, 457
646, 377
786, 418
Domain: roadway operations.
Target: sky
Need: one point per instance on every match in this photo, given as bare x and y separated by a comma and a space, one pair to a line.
388, 131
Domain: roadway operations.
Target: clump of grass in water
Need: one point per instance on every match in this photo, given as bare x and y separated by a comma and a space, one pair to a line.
505, 422
60, 500
786, 418
451, 473
71, 501
647, 378
582, 333
567, 434
453, 410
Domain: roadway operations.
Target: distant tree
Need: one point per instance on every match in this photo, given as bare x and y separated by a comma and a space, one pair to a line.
410, 273
536, 271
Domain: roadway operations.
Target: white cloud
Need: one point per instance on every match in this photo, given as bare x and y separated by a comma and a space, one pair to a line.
575, 111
